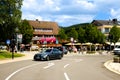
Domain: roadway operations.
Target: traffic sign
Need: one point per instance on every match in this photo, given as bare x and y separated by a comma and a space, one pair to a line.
8, 41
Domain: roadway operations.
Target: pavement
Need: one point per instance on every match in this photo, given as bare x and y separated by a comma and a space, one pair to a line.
110, 65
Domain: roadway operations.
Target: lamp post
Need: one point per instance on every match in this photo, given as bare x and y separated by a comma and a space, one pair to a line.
13, 43
16, 30
110, 39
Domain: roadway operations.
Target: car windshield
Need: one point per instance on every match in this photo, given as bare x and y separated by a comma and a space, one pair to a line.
117, 47
48, 50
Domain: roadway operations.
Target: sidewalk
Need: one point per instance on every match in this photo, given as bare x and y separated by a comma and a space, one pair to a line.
112, 66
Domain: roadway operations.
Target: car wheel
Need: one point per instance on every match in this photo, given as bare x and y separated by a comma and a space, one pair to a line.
60, 56
47, 58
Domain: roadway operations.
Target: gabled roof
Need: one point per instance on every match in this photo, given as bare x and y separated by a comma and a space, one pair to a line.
105, 22
44, 25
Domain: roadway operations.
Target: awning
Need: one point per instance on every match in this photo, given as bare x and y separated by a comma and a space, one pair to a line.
73, 44
48, 39
118, 43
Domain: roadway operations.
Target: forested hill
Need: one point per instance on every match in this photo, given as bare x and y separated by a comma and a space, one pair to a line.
76, 26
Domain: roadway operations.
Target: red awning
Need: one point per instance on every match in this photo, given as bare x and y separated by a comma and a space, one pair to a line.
48, 39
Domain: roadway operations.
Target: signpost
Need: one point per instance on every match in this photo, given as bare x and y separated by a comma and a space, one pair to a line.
8, 43
19, 40
13, 43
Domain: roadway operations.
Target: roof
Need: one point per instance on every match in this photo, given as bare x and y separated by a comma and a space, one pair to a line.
44, 25
105, 22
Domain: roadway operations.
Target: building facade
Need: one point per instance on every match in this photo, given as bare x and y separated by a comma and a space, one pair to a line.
44, 32
105, 25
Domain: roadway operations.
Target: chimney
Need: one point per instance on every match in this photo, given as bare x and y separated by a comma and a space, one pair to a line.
115, 21
37, 20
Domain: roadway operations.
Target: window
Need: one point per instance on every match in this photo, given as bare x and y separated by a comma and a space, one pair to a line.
43, 30
107, 30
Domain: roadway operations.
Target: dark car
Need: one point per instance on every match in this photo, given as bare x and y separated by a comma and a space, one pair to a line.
49, 54
63, 49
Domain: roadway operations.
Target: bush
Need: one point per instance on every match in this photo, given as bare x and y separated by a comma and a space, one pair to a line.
91, 52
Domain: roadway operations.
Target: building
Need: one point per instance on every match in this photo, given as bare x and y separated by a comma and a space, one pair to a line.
44, 32
105, 25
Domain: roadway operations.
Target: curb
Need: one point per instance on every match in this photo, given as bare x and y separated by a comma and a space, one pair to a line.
111, 66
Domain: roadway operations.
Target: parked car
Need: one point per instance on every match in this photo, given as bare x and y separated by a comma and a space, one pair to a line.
116, 50
49, 54
34, 48
63, 49
3, 47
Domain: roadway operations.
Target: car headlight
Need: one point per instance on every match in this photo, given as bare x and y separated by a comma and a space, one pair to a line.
44, 56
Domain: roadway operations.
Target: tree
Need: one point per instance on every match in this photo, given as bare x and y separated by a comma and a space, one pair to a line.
10, 17
81, 35
27, 31
93, 35
114, 34
62, 35
101, 38
73, 33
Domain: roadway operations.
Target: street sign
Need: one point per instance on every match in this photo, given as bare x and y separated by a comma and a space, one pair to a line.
20, 36
8, 41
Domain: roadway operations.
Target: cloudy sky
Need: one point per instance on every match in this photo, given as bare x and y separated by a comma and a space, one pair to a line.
69, 12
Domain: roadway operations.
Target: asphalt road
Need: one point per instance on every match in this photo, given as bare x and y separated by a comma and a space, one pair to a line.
86, 67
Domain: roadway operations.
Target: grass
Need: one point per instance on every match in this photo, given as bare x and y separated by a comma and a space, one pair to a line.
7, 55
91, 52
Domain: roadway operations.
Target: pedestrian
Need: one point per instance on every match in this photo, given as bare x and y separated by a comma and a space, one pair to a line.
79, 50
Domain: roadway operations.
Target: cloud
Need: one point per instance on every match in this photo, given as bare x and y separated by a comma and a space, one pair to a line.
115, 13
66, 12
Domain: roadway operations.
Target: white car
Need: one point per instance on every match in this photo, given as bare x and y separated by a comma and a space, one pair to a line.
2, 47
34, 48
116, 50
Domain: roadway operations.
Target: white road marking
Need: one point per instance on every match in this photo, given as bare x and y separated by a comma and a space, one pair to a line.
49, 65
78, 60
21, 70
66, 76
66, 65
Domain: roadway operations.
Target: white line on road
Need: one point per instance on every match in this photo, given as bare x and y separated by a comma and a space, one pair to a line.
66, 65
78, 60
21, 70
66, 76
49, 65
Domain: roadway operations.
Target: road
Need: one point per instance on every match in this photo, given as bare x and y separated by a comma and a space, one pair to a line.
78, 67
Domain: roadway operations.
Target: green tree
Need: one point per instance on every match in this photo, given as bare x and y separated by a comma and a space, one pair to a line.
73, 33
93, 35
101, 38
62, 35
81, 35
27, 31
10, 17
114, 34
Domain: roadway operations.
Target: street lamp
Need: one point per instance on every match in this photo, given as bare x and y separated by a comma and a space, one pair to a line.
16, 30
13, 43
110, 39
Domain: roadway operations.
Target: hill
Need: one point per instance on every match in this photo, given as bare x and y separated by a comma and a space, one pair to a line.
76, 26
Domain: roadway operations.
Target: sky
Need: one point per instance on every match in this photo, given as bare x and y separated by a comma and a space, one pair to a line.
70, 12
